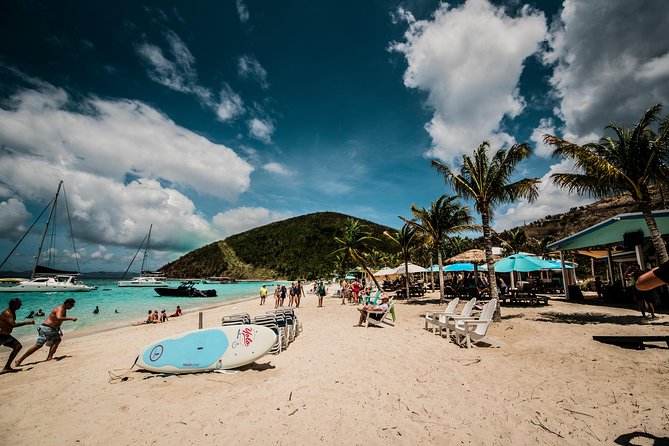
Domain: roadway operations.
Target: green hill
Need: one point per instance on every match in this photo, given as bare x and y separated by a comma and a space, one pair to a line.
298, 247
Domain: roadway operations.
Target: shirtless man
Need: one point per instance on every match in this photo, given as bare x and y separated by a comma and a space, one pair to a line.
49, 331
7, 324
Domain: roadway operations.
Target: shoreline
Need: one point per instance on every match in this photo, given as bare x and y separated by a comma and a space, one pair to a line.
103, 328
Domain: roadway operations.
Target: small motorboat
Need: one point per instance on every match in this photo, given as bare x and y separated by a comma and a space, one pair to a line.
186, 289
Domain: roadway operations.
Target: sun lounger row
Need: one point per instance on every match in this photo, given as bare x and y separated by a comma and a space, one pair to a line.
283, 321
467, 329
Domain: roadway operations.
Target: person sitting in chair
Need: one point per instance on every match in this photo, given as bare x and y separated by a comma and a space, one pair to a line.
373, 311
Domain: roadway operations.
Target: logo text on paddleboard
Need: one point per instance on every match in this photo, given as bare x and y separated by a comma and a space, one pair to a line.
156, 353
247, 336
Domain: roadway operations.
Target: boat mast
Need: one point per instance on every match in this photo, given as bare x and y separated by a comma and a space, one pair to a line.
146, 251
46, 228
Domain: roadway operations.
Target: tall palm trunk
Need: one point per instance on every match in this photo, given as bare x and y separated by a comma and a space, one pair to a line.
431, 273
406, 276
487, 245
655, 236
441, 276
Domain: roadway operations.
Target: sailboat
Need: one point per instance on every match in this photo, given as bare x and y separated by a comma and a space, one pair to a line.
46, 278
145, 278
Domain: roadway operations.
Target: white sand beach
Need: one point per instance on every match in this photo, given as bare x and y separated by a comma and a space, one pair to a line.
549, 384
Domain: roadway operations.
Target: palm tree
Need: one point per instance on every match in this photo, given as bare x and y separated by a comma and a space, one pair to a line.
405, 238
541, 245
455, 245
487, 181
354, 245
516, 239
629, 163
445, 216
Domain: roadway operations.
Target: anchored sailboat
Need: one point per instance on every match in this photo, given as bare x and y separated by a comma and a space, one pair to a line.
146, 278
46, 278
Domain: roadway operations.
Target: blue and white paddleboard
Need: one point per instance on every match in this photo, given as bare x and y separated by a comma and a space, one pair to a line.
209, 349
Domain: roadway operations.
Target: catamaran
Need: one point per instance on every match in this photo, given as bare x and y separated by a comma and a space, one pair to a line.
145, 278
46, 278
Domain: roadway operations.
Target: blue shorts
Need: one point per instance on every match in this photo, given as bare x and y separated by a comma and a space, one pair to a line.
47, 334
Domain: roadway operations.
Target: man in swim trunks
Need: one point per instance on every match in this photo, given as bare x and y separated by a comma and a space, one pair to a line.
263, 294
49, 331
7, 324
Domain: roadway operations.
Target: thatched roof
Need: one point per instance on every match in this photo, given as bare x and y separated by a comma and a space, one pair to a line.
471, 256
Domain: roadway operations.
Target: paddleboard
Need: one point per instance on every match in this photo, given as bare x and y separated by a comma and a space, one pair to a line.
217, 348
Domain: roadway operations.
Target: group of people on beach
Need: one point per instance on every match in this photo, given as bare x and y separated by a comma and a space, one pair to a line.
48, 332
295, 294
154, 318
354, 292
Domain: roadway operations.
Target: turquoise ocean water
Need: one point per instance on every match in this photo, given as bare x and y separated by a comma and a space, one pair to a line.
132, 303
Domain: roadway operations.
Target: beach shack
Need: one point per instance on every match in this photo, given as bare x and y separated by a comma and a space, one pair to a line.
616, 241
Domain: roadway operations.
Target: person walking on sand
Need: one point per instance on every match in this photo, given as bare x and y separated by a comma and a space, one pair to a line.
344, 291
263, 294
282, 295
299, 292
277, 296
49, 331
320, 291
7, 324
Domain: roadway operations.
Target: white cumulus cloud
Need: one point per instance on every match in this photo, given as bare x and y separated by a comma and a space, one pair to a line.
552, 200
277, 168
176, 70
241, 219
612, 62
249, 67
469, 60
124, 163
261, 130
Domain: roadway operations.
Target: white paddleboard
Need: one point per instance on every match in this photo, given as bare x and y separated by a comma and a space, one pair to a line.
209, 349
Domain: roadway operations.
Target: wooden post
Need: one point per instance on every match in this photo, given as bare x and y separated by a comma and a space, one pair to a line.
200, 323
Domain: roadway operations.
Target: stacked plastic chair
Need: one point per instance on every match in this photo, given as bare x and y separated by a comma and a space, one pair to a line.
236, 319
270, 321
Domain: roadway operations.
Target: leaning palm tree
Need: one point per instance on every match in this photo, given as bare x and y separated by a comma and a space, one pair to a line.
487, 181
354, 244
629, 163
445, 216
405, 239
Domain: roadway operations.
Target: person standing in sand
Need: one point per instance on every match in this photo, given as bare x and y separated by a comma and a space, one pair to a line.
49, 331
299, 292
320, 291
344, 291
263, 294
7, 324
277, 296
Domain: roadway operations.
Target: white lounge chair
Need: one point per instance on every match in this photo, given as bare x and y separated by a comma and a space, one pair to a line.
474, 330
445, 321
431, 317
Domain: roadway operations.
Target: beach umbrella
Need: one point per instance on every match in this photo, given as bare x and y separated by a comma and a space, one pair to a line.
558, 265
385, 271
459, 267
349, 277
412, 269
476, 256
523, 263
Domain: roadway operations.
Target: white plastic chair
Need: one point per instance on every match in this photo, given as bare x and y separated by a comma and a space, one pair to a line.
475, 330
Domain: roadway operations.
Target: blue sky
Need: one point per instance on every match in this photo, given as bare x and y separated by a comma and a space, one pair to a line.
208, 120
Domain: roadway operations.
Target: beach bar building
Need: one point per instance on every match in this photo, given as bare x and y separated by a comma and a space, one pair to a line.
604, 240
